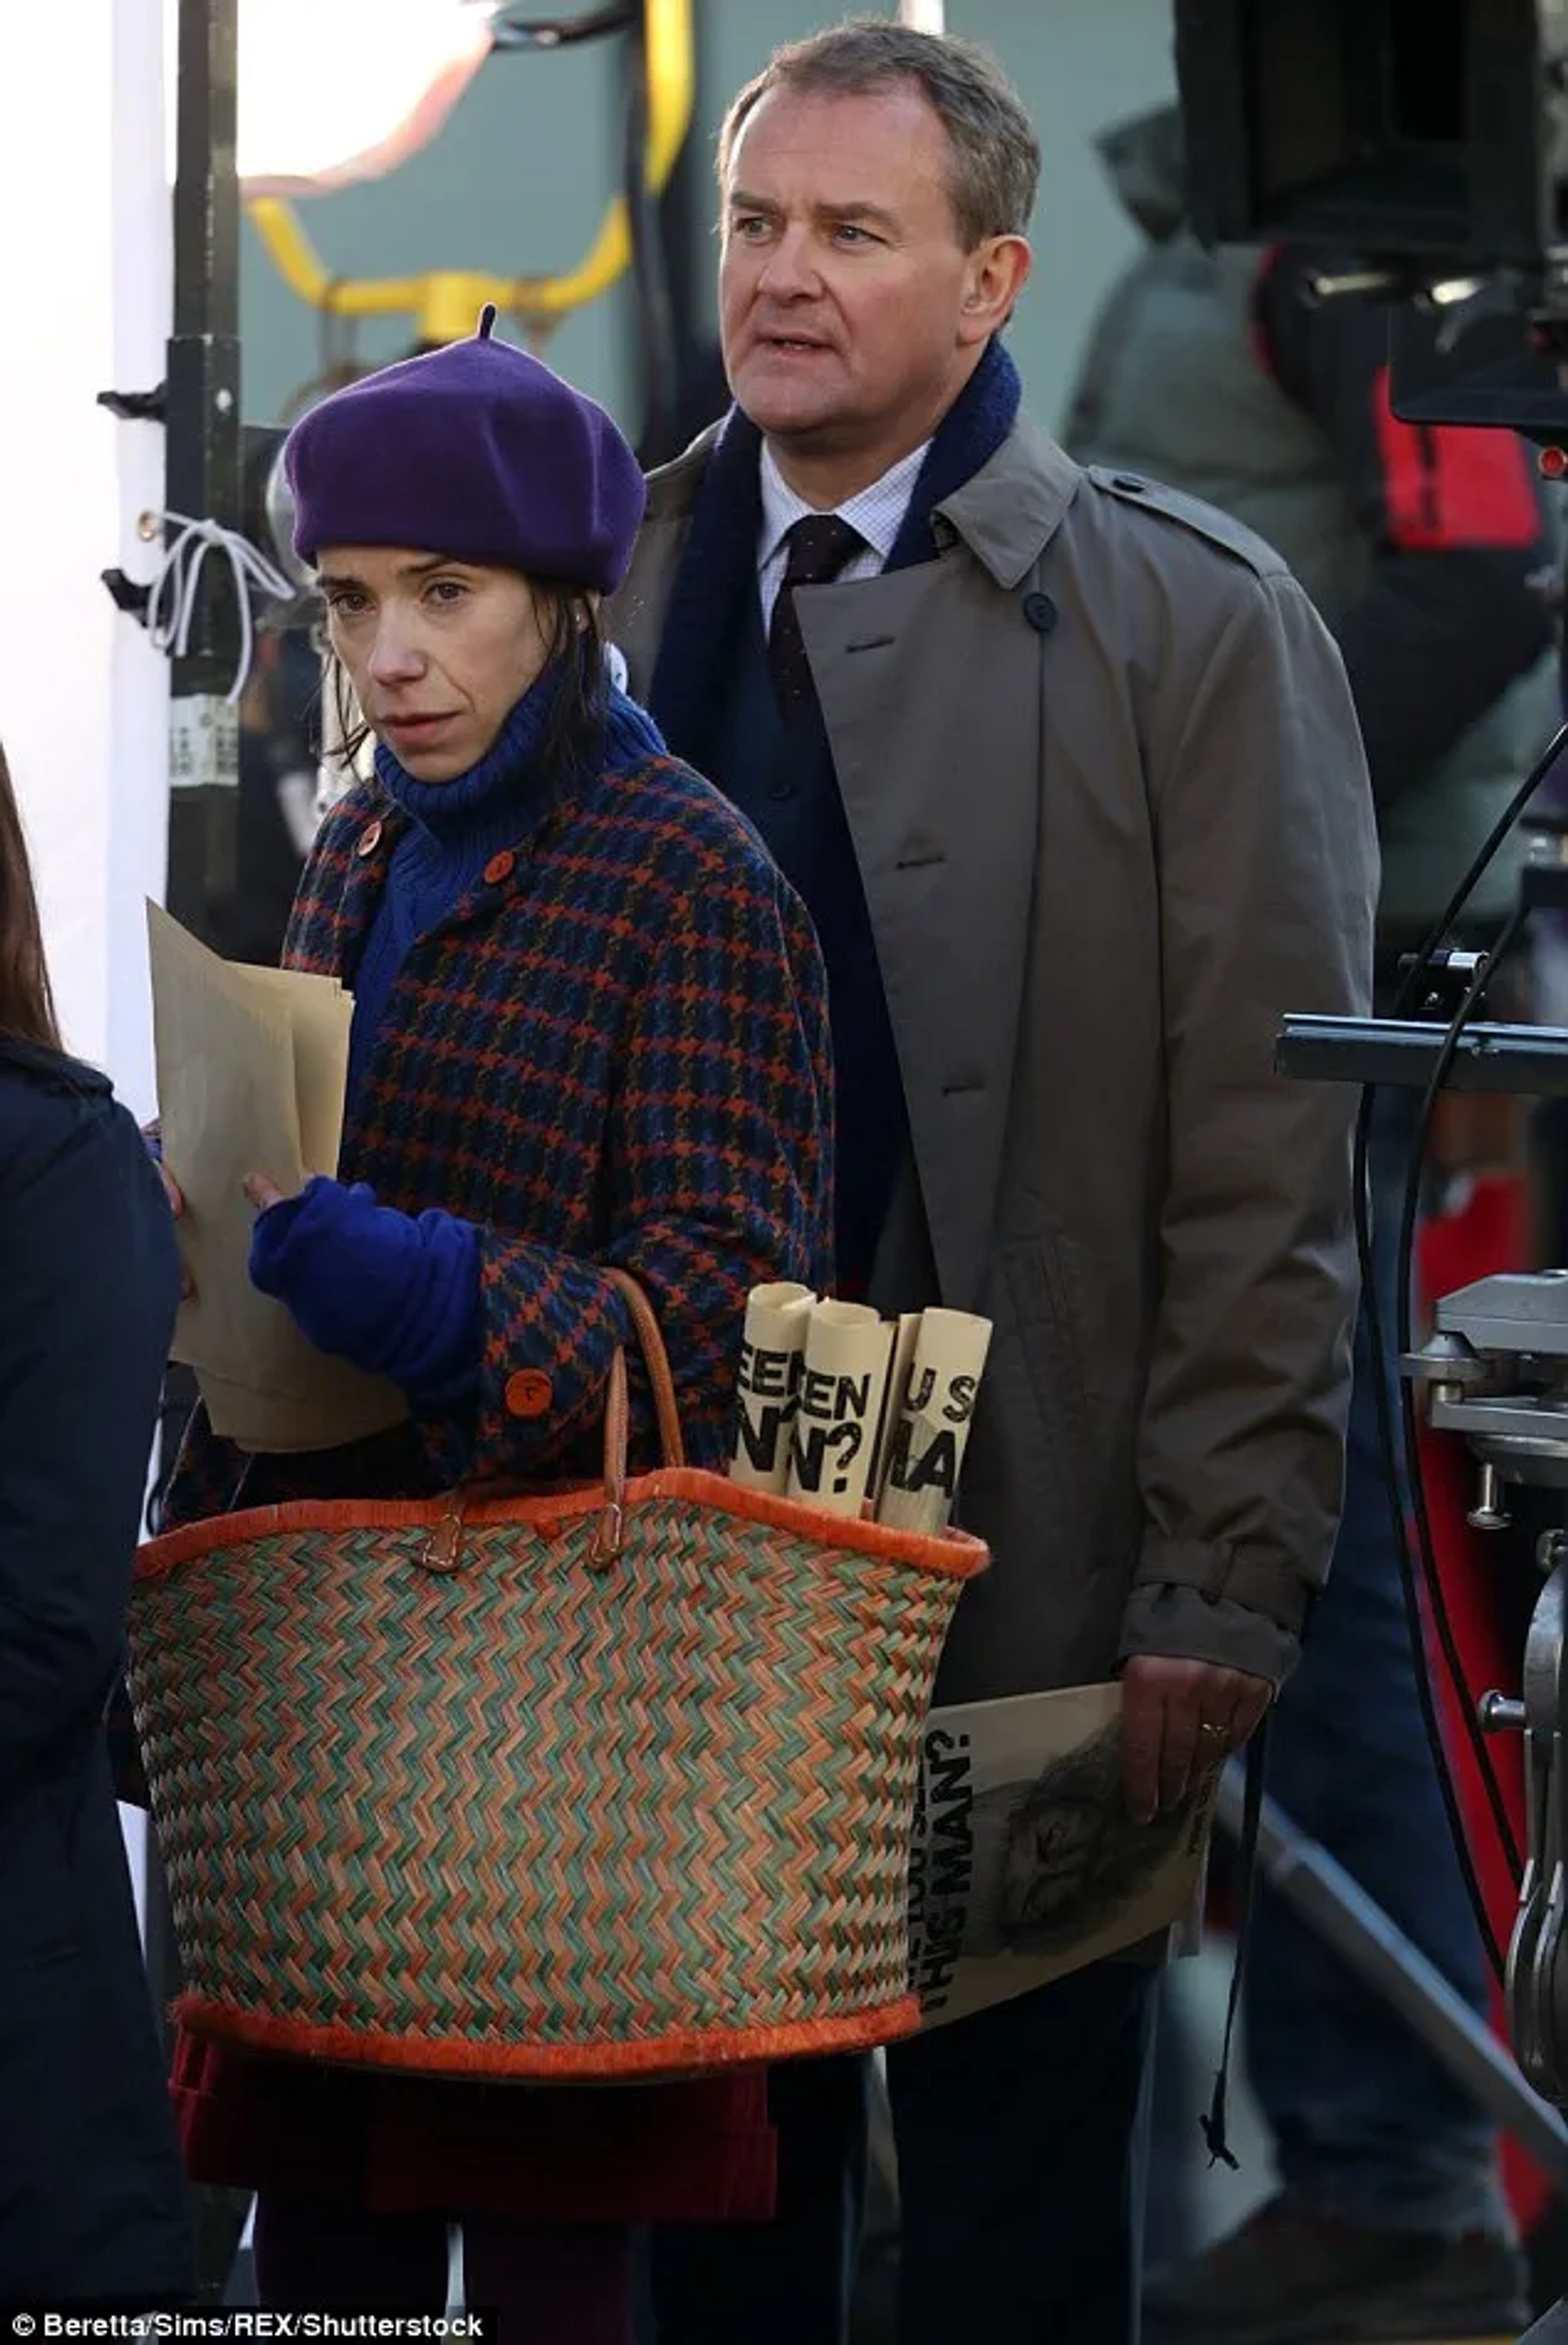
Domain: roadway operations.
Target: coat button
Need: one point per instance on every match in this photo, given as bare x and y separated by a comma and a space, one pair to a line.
528, 1393
369, 840
499, 867
1040, 612
1130, 483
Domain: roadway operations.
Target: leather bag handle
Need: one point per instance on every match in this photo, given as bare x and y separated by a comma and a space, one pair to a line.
657, 1361
443, 1549
610, 1536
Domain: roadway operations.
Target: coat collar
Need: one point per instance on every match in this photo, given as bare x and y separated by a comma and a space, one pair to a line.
1012, 508
338, 904
1006, 513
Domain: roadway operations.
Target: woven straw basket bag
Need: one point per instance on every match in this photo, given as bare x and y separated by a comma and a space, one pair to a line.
594, 1784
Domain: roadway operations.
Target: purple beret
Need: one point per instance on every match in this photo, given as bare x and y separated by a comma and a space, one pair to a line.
477, 450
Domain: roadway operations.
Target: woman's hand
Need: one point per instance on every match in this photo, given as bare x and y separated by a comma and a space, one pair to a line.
397, 1295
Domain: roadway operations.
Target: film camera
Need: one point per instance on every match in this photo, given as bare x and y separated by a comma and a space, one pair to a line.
1425, 141
1419, 148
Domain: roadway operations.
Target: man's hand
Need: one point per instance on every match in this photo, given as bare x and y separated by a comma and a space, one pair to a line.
1178, 1717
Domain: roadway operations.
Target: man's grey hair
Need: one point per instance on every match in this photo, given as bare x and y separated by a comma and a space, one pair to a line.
995, 154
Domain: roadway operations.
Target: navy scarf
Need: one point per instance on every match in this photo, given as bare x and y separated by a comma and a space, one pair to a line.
719, 564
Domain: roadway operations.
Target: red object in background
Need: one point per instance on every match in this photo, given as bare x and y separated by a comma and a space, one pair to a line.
1448, 486
1487, 1233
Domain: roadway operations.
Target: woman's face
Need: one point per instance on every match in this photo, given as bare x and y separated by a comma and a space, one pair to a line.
439, 651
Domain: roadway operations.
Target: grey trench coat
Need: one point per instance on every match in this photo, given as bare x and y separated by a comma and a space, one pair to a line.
1106, 790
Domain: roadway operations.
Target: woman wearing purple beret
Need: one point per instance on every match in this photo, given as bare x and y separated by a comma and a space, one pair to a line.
589, 1030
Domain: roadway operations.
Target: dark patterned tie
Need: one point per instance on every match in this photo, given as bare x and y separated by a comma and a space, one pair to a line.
819, 546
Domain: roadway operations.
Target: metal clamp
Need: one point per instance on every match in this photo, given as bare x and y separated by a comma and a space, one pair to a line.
1537, 1983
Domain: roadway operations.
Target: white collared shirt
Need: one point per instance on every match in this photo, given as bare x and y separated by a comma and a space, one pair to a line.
877, 512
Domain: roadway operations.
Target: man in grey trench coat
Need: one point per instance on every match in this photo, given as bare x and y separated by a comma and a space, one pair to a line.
1065, 767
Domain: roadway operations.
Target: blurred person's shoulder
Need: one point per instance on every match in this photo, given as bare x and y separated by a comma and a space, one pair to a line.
51, 1104
31, 1072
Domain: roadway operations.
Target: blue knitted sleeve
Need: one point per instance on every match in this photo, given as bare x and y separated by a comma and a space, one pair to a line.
395, 1296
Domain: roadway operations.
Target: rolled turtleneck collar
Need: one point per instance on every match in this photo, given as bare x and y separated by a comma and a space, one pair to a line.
508, 779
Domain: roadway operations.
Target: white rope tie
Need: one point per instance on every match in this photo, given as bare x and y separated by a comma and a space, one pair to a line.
171, 602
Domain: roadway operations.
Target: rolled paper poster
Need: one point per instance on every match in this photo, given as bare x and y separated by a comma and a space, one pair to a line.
772, 1348
847, 1348
926, 1454
906, 1335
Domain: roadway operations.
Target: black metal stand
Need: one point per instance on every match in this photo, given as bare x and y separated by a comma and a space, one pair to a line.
204, 476
203, 479
1532, 1061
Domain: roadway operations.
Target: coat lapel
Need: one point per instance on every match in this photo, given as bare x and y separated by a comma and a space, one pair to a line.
933, 684
940, 790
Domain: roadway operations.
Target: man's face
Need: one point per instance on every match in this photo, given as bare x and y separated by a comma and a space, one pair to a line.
846, 299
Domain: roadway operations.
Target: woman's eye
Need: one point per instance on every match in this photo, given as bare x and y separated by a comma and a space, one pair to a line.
346, 604
447, 589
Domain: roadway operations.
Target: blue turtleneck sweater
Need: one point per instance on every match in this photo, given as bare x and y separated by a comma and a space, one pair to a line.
395, 1293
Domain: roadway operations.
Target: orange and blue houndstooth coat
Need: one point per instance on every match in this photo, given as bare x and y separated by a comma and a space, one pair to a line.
613, 1051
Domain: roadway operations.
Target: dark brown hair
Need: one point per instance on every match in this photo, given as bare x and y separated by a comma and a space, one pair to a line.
995, 168
574, 642
27, 1004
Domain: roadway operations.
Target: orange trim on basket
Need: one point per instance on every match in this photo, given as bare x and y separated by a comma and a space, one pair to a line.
952, 1555
681, 2053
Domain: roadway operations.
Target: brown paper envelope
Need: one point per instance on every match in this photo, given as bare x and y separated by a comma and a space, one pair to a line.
225, 1051
272, 1424
320, 1013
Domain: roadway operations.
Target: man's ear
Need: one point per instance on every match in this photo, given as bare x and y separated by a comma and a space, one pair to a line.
996, 274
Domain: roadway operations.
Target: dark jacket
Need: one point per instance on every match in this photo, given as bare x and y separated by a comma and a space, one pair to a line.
91, 2196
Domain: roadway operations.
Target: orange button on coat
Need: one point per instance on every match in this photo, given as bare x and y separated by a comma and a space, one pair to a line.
369, 840
499, 867
528, 1393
